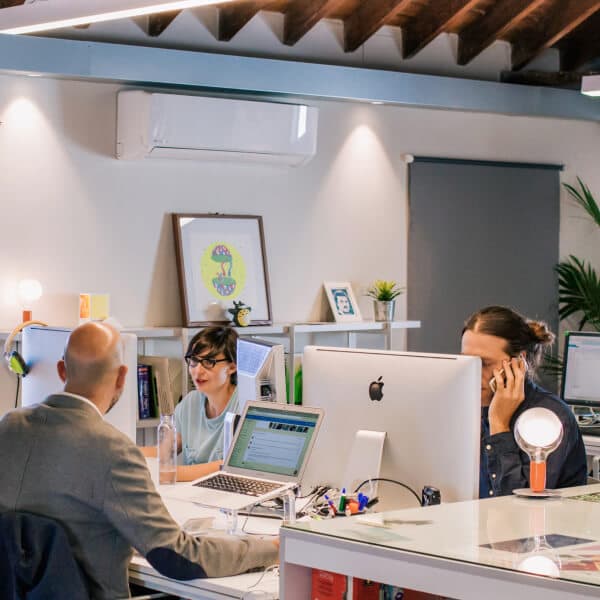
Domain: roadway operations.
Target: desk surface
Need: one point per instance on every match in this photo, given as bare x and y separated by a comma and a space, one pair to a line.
558, 537
239, 586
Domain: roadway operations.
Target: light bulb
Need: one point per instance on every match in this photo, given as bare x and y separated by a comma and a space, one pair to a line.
30, 290
538, 431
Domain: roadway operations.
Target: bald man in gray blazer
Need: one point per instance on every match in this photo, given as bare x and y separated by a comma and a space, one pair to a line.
62, 460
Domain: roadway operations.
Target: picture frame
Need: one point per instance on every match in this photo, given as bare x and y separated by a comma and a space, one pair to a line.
342, 301
221, 259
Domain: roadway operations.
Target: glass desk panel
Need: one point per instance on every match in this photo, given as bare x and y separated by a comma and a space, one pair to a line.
556, 537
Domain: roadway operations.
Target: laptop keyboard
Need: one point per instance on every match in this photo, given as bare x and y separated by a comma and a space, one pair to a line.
238, 485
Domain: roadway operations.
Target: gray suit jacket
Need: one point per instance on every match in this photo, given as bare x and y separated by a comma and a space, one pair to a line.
62, 460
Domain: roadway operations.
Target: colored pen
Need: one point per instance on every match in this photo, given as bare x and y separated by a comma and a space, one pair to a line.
342, 505
331, 504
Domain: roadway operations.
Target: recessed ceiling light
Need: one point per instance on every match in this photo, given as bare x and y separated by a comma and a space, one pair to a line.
43, 16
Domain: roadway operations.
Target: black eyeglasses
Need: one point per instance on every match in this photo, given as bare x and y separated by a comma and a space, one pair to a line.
206, 362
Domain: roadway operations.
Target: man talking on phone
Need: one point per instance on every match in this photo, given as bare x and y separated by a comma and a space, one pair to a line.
511, 348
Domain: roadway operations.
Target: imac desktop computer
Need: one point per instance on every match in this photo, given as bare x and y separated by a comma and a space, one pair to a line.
43, 347
260, 371
428, 405
581, 378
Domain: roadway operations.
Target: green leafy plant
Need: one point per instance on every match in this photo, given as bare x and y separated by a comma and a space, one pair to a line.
578, 282
384, 290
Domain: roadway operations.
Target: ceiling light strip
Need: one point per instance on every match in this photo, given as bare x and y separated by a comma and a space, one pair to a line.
45, 15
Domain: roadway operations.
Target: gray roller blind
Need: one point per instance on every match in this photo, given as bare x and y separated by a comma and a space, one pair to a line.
480, 233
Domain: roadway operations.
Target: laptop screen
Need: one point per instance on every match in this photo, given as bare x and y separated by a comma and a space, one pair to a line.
274, 440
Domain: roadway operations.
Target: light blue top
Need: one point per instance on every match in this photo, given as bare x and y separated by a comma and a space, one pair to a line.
201, 437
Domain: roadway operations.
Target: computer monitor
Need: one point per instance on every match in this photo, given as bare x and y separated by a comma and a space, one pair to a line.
42, 349
429, 405
581, 369
260, 371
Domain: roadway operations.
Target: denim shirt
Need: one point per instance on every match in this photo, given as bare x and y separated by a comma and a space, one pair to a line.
504, 467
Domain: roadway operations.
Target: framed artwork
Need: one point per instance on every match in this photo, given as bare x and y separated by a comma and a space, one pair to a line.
221, 259
342, 301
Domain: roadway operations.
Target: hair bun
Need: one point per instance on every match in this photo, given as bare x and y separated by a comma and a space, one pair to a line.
541, 332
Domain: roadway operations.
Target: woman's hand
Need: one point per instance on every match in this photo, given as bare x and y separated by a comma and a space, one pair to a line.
510, 392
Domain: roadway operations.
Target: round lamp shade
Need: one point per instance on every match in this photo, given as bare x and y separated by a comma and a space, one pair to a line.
538, 428
29, 290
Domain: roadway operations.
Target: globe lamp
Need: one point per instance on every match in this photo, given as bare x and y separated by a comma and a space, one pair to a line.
538, 432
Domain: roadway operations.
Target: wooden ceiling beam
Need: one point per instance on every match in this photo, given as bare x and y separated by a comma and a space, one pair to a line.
367, 19
233, 17
582, 45
542, 78
10, 3
426, 26
492, 26
561, 19
158, 23
302, 15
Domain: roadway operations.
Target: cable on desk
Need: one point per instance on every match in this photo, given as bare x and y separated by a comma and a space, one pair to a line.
17, 393
251, 594
390, 481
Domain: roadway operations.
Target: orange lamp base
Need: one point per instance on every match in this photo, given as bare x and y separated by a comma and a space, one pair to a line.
537, 476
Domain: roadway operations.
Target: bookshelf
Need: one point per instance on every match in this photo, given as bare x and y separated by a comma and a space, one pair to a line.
173, 341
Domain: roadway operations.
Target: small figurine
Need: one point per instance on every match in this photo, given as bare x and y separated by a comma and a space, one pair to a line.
241, 313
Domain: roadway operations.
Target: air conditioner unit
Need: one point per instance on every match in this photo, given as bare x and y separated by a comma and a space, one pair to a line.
153, 125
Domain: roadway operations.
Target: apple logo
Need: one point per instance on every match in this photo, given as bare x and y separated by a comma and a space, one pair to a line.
376, 389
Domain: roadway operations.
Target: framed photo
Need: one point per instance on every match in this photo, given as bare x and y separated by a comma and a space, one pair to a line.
221, 259
342, 301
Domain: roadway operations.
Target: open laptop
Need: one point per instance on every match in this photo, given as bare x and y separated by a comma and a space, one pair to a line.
268, 455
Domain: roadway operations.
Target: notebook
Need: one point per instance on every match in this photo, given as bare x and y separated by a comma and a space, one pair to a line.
268, 455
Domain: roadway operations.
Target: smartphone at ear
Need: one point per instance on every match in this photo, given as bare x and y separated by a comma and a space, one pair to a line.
492, 383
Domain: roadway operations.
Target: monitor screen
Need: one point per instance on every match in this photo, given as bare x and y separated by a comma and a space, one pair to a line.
428, 405
43, 347
581, 369
260, 370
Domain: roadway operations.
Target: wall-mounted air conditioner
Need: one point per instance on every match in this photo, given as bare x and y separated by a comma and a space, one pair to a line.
153, 125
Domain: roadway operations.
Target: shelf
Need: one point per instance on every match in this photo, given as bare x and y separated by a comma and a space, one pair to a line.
276, 329
154, 332
358, 326
147, 423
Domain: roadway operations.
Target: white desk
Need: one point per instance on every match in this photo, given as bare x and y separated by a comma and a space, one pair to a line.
439, 549
142, 573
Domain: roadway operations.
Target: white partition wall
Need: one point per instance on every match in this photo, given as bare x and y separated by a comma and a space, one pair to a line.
44, 346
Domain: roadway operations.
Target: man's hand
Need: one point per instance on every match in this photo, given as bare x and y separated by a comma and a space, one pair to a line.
510, 392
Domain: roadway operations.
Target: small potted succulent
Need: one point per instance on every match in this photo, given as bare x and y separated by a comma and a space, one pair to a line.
384, 293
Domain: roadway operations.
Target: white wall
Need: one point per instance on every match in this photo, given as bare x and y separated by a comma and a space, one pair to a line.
79, 220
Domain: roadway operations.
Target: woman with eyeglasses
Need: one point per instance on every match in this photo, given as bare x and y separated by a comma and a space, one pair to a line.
199, 417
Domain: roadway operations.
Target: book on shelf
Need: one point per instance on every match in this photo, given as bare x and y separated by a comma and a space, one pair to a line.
144, 382
166, 382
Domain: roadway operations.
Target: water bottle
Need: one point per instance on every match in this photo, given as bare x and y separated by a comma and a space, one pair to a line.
166, 437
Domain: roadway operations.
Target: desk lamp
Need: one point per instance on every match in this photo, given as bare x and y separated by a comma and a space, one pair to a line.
29, 291
538, 431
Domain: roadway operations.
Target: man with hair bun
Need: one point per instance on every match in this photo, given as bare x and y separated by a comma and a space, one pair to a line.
511, 348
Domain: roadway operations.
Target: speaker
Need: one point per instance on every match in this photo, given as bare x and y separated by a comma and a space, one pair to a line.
14, 360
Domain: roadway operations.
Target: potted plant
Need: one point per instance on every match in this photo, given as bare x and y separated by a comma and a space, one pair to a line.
384, 293
578, 281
